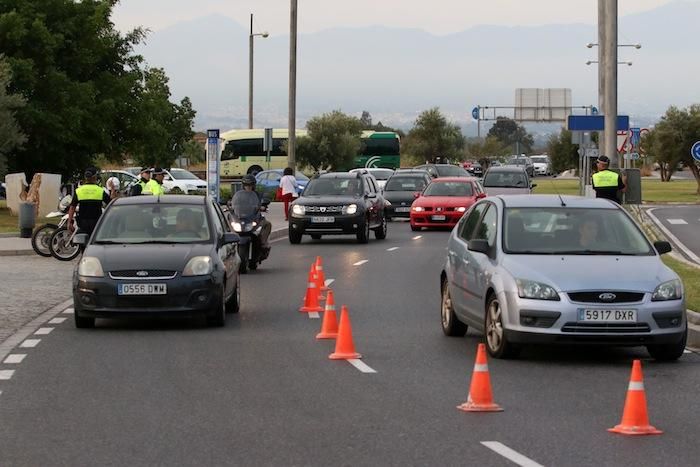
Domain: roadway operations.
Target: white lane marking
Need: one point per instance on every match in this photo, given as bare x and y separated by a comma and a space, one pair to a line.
417, 237
672, 237
69, 311
677, 221
6, 374
313, 315
510, 454
360, 365
30, 343
15, 358
360, 263
329, 282
43, 331
393, 248
57, 320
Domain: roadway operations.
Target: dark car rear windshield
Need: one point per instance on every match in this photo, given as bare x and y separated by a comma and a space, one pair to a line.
405, 184
451, 171
449, 189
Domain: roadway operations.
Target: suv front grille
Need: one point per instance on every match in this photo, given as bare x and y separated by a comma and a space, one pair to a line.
594, 297
324, 209
149, 274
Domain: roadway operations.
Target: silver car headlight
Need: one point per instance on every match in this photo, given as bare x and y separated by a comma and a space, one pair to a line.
198, 266
670, 290
536, 290
90, 267
298, 209
237, 227
350, 209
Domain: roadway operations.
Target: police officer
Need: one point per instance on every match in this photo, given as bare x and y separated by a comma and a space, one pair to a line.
155, 184
90, 197
138, 187
607, 183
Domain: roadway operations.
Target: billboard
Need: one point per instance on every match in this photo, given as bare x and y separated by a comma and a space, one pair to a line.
542, 105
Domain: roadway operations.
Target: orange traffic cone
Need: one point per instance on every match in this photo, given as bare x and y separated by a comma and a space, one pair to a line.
480, 398
329, 327
311, 298
318, 281
321, 274
344, 348
635, 420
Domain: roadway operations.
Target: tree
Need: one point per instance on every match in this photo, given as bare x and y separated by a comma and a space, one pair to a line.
485, 150
511, 134
333, 142
563, 154
366, 120
432, 136
11, 135
194, 152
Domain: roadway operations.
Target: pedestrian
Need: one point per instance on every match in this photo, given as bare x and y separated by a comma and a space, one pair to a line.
155, 184
290, 189
607, 183
138, 187
89, 198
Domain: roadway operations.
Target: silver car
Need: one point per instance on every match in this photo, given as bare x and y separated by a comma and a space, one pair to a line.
549, 269
507, 180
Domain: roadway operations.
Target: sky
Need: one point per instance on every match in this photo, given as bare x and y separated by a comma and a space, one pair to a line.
435, 16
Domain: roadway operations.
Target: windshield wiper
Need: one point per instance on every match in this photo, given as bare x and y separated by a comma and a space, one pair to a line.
154, 242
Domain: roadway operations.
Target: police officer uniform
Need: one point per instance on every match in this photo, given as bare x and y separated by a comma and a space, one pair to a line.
607, 183
89, 197
139, 187
155, 187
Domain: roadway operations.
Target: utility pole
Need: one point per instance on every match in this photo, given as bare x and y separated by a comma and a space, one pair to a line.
610, 68
291, 151
602, 47
250, 74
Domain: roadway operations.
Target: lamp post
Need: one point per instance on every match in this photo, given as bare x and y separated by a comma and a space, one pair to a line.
250, 70
292, 125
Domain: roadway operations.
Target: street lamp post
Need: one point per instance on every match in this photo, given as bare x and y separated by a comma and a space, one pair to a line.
250, 70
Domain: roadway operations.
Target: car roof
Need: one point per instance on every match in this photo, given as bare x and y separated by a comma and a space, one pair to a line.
436, 165
455, 179
506, 168
411, 173
339, 175
169, 199
555, 201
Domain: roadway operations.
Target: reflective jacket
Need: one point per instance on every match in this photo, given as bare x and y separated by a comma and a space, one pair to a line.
154, 188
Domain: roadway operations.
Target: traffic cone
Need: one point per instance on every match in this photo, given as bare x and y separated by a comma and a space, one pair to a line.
311, 298
635, 420
321, 274
329, 327
480, 398
318, 281
344, 348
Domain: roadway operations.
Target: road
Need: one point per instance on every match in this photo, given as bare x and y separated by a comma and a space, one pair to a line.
262, 391
682, 222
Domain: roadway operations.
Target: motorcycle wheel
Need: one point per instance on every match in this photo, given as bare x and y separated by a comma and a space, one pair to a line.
41, 238
61, 247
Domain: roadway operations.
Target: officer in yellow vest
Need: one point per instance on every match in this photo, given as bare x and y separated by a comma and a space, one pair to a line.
607, 183
90, 197
155, 184
139, 187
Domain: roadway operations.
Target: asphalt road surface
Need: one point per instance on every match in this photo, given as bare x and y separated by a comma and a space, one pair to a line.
683, 222
262, 391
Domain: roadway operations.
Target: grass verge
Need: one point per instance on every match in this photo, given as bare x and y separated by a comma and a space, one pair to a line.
653, 191
690, 275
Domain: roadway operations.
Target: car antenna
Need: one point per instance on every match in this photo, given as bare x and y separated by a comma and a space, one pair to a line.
563, 204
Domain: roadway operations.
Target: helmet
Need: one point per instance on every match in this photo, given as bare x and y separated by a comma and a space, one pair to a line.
248, 180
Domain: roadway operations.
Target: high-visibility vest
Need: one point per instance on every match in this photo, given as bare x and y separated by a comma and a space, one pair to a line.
89, 192
605, 179
154, 188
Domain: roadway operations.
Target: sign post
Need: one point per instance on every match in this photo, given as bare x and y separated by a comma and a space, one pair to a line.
695, 151
213, 161
267, 145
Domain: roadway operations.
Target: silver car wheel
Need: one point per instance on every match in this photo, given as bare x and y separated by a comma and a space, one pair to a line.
446, 308
494, 326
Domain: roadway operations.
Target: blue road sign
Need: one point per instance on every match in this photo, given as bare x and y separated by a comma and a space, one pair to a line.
635, 136
594, 110
595, 122
475, 113
695, 151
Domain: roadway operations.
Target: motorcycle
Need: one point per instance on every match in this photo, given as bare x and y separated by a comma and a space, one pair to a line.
249, 228
41, 238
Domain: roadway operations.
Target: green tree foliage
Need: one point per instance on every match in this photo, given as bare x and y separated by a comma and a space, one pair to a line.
512, 135
669, 142
366, 120
432, 136
11, 135
485, 150
562, 153
194, 152
332, 143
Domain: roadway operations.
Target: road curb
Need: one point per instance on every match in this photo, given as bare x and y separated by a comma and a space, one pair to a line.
693, 329
17, 252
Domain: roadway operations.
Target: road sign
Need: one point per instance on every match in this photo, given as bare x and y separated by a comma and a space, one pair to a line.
695, 151
635, 136
632, 156
213, 161
594, 122
594, 110
592, 152
475, 113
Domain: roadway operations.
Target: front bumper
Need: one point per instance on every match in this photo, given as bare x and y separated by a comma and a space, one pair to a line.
398, 211
426, 219
341, 225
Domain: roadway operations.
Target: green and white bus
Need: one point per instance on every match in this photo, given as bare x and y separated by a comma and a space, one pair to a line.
243, 151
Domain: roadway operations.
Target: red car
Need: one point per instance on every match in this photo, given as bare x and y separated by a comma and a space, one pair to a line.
444, 201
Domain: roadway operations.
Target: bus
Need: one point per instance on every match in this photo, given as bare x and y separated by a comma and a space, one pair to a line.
243, 151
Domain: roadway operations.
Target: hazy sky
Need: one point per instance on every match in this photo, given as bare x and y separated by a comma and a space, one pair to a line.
435, 16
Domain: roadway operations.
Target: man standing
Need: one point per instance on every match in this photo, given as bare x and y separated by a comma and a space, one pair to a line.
138, 187
607, 183
155, 184
89, 197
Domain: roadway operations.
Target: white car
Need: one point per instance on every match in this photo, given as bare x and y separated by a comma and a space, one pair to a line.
184, 181
381, 175
542, 164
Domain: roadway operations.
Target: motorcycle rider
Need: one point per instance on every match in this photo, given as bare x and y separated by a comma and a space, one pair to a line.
139, 187
155, 184
90, 197
246, 203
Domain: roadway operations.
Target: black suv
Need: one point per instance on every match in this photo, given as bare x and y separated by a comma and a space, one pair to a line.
339, 203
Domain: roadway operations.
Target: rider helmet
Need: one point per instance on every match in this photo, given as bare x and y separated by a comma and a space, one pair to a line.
248, 180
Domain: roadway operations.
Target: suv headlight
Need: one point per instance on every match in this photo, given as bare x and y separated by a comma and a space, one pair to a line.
350, 209
90, 267
536, 290
198, 266
299, 209
670, 290
237, 226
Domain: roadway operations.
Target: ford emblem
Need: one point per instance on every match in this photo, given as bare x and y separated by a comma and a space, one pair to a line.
323, 209
142, 273
607, 297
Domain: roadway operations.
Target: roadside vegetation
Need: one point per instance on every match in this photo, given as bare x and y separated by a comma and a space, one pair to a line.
653, 191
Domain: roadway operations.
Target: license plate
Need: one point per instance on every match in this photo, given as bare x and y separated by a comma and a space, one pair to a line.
406, 209
607, 316
142, 289
438, 217
322, 219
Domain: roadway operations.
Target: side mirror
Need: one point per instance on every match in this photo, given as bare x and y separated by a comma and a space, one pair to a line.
82, 239
480, 245
481, 195
231, 237
416, 194
662, 247
371, 195
533, 185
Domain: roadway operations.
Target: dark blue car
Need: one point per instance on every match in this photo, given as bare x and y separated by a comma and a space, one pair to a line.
268, 181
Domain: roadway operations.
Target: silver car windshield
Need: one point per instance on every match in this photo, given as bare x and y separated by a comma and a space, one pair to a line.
505, 179
572, 231
153, 223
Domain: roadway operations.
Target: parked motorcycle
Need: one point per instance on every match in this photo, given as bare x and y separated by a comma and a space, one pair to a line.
41, 238
249, 228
